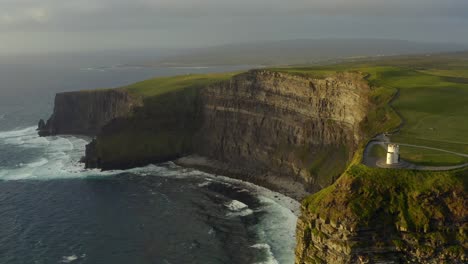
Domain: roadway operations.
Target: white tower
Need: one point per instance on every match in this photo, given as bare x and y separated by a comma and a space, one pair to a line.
393, 154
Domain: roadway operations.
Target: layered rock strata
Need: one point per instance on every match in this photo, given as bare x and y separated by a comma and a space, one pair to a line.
86, 112
291, 125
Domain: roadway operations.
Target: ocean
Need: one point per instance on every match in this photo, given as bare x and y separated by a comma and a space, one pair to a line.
52, 210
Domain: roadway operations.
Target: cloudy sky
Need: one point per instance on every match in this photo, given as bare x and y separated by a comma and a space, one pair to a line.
38, 26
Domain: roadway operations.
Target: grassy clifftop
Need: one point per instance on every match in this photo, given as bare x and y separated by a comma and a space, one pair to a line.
378, 214
159, 86
363, 195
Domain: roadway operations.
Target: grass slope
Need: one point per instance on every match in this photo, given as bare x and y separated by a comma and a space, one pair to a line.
412, 210
374, 189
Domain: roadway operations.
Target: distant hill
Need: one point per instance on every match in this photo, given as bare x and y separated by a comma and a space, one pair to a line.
301, 51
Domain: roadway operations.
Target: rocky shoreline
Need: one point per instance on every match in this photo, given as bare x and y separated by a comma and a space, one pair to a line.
281, 184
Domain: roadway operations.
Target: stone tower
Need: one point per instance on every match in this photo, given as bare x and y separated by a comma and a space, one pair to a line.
393, 154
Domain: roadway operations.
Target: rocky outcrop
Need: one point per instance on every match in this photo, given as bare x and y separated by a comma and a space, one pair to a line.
360, 219
290, 125
86, 112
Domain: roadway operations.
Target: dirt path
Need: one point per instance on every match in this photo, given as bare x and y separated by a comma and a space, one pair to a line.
438, 149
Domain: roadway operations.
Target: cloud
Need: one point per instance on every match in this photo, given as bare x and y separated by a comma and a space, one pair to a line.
22, 16
209, 22
60, 15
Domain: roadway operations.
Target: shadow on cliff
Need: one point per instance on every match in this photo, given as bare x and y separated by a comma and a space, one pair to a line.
161, 130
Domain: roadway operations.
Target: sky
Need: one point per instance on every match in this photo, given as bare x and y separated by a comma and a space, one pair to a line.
45, 26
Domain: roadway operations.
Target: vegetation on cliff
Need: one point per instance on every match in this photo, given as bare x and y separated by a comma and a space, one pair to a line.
364, 194
161, 129
399, 215
420, 216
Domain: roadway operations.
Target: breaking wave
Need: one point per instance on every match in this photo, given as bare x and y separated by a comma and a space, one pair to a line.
238, 208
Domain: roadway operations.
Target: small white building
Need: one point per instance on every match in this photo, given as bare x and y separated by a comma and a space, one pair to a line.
393, 154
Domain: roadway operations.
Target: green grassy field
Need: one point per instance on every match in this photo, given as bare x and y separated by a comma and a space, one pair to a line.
420, 156
429, 157
162, 85
378, 152
432, 98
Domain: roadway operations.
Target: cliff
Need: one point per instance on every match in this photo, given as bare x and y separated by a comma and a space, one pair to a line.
272, 125
386, 216
278, 123
86, 112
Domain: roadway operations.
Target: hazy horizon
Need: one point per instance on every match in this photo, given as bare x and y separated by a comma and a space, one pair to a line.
35, 27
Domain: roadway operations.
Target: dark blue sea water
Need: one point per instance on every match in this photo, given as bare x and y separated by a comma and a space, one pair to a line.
52, 210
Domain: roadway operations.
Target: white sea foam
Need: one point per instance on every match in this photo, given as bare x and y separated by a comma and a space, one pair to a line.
267, 251
17, 133
59, 159
60, 156
277, 228
68, 259
38, 163
204, 184
238, 208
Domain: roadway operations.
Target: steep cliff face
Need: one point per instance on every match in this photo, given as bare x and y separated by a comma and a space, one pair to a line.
160, 130
386, 216
86, 112
292, 125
